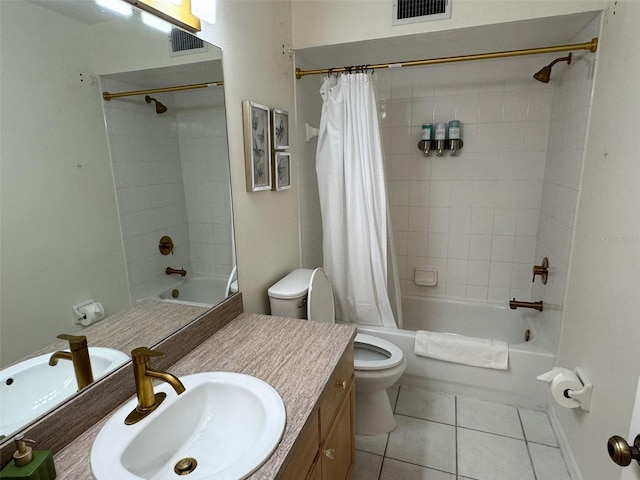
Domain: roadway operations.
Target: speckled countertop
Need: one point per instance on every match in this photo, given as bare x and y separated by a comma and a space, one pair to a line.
296, 357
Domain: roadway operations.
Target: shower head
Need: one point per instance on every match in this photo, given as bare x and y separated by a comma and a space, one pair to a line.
160, 108
544, 74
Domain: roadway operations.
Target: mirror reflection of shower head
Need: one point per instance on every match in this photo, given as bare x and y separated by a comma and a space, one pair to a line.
160, 108
544, 74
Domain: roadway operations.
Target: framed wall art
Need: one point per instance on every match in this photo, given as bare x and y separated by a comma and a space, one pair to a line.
281, 171
280, 128
257, 146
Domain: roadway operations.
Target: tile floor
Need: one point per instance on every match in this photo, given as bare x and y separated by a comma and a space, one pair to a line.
451, 437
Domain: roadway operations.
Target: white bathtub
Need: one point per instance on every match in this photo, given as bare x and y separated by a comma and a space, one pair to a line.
517, 385
199, 290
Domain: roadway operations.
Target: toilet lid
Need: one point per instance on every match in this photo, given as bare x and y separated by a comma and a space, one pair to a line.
320, 305
389, 355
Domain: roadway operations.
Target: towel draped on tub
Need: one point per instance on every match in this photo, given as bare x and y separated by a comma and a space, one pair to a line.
451, 347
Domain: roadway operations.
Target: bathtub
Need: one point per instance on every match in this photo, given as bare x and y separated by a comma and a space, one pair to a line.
199, 290
527, 359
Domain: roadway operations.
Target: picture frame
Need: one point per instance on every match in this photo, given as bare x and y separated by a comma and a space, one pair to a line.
280, 129
281, 171
257, 146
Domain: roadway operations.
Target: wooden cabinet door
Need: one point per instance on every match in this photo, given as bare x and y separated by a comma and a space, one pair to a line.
338, 449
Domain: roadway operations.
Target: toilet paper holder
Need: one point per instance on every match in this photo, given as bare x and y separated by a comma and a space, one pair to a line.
80, 316
584, 395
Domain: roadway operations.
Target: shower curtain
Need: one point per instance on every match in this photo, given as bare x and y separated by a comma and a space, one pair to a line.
353, 200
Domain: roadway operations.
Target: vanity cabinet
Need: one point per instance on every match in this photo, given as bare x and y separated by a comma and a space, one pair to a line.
325, 450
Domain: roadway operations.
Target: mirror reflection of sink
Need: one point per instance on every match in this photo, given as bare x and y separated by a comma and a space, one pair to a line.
229, 423
32, 387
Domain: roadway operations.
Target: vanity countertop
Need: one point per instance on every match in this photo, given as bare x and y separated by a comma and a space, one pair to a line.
296, 357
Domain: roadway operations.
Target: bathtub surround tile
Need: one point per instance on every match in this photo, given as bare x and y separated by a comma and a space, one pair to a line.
548, 462
395, 470
367, 466
489, 417
537, 427
492, 457
427, 405
424, 443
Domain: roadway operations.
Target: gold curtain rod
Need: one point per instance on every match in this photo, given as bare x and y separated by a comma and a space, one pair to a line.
592, 46
108, 96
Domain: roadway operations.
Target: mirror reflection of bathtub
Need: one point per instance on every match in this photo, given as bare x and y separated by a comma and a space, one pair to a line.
200, 290
527, 358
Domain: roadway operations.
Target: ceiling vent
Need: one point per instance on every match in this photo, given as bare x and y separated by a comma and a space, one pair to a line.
183, 43
413, 11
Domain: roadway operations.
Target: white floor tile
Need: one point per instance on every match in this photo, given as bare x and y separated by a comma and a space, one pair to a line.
395, 470
367, 466
537, 427
548, 462
421, 403
492, 457
489, 417
424, 443
372, 443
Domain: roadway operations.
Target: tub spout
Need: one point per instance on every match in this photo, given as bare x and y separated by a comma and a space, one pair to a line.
173, 271
513, 304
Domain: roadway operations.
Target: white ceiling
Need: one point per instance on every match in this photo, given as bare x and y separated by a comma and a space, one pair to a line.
83, 10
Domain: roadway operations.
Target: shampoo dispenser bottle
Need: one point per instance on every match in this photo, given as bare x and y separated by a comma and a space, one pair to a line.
29, 464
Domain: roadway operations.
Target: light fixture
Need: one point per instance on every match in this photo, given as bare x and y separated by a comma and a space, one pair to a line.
117, 6
155, 22
185, 14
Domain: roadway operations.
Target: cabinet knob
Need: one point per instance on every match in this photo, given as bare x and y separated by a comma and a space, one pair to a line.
330, 453
342, 384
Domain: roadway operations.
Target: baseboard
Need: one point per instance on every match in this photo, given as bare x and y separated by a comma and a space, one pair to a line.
563, 443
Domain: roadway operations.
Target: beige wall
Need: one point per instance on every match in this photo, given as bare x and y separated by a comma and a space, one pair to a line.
255, 37
326, 22
601, 331
61, 240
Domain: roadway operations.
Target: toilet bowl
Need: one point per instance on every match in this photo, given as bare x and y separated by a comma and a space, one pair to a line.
378, 363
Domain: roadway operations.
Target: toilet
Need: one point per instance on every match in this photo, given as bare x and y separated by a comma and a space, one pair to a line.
378, 364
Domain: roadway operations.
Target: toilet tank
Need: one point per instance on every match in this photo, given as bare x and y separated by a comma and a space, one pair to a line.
288, 297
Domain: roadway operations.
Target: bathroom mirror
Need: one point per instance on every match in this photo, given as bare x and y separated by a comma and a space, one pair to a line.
89, 187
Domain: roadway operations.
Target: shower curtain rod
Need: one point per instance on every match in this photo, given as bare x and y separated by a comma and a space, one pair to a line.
108, 96
592, 46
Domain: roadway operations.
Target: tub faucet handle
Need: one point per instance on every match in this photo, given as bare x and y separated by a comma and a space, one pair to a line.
542, 270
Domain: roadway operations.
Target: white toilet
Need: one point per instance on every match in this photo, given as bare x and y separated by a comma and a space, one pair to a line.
378, 364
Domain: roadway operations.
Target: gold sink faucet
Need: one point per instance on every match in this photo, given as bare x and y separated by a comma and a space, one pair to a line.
79, 356
148, 401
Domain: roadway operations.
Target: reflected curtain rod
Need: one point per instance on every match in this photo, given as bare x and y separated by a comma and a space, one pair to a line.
591, 46
108, 96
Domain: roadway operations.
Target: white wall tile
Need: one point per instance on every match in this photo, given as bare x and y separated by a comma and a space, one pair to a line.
484, 205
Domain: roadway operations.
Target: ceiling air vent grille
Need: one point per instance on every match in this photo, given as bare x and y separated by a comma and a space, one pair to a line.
183, 43
413, 11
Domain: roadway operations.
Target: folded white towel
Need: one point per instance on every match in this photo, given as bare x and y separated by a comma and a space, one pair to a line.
478, 352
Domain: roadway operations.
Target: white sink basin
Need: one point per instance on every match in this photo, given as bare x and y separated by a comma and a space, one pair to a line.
230, 423
30, 388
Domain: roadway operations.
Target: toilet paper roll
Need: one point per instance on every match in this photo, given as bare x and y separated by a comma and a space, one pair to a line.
91, 313
562, 380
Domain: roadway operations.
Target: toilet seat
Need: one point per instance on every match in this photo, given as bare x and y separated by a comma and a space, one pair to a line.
393, 354
320, 307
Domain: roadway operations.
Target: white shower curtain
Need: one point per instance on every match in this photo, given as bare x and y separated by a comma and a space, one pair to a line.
353, 200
